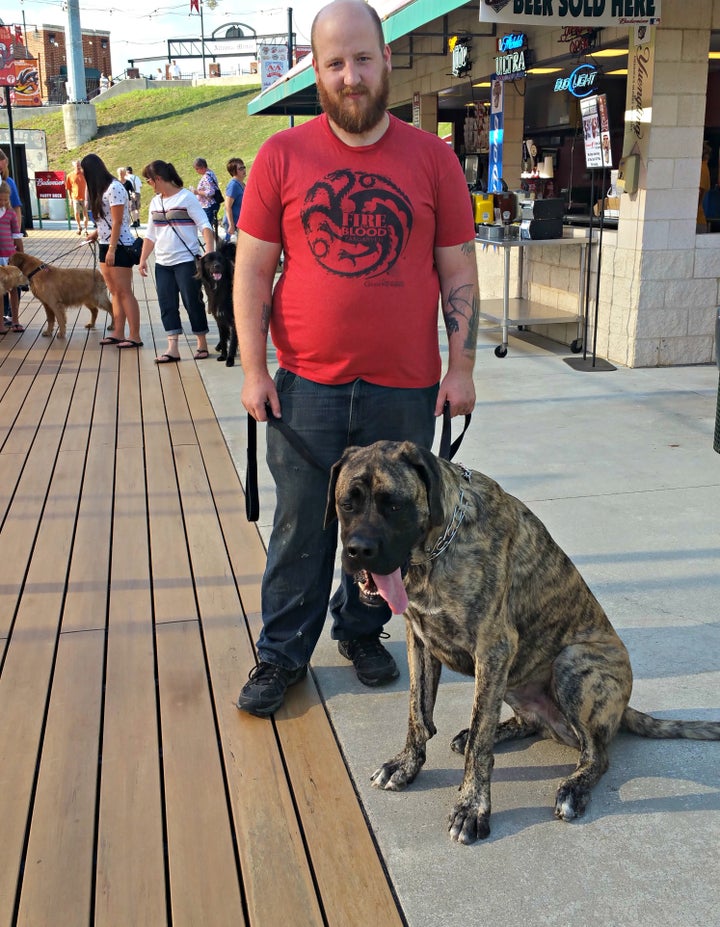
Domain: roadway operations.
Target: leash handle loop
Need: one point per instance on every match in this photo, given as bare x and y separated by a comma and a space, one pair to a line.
448, 448
252, 495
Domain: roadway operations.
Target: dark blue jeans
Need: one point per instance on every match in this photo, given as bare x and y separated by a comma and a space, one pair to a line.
301, 553
175, 282
211, 213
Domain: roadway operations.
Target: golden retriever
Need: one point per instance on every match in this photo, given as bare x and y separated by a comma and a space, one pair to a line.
10, 278
57, 288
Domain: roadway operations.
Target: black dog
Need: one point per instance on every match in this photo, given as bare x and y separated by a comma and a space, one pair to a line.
215, 271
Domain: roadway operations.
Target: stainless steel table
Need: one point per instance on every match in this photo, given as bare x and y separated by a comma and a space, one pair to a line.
519, 312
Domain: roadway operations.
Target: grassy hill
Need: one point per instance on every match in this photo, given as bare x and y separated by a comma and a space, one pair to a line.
176, 124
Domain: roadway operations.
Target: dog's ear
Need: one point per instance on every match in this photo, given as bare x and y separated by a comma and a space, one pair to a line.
425, 463
198, 267
330, 510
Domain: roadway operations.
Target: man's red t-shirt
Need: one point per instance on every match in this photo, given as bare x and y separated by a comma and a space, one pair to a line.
358, 297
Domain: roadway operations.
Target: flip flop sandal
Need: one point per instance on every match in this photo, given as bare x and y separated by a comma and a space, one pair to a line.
167, 359
129, 343
201, 354
110, 340
17, 327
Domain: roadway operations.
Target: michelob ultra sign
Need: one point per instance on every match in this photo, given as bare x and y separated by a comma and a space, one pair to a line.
571, 12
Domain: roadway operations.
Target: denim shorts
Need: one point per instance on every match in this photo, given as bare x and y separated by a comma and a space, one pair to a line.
123, 257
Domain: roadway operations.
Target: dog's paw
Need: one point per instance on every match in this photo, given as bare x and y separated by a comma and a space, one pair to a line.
571, 801
459, 742
468, 823
397, 773
230, 362
221, 357
90, 325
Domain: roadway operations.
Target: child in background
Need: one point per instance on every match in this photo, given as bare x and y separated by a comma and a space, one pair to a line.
11, 240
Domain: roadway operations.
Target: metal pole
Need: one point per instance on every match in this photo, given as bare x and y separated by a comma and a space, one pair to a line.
716, 438
39, 208
74, 52
202, 36
11, 134
290, 52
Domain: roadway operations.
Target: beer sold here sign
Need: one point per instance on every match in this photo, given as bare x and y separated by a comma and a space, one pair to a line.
571, 12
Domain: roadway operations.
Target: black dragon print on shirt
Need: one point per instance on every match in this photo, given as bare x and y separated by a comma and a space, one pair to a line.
357, 224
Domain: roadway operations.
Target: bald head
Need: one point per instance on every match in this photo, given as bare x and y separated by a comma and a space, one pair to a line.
340, 11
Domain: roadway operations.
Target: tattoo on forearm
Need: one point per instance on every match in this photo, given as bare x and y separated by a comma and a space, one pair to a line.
265, 318
462, 304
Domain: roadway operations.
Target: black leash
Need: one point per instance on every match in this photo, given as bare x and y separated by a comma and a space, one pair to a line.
64, 254
448, 449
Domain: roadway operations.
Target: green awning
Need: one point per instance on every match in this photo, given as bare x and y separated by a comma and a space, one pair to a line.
295, 93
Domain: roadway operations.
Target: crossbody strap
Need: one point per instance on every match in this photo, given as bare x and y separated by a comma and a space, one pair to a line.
184, 243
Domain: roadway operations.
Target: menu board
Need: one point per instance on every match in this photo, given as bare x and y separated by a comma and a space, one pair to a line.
596, 131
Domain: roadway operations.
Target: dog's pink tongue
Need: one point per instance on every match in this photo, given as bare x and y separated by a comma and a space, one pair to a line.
391, 588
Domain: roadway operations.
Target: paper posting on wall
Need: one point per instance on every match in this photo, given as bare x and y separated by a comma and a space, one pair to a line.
596, 131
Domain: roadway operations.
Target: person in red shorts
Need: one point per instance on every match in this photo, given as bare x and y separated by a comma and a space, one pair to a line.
374, 220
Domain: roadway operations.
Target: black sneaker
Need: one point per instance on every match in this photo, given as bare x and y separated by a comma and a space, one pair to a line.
373, 664
265, 689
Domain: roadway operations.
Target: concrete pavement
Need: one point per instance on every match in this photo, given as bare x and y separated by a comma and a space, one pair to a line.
620, 467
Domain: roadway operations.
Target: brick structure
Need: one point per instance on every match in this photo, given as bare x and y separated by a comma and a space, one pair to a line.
46, 43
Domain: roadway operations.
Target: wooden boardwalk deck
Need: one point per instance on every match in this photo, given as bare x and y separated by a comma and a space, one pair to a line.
132, 791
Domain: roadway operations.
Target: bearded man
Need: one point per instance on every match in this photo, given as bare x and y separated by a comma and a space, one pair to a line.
375, 224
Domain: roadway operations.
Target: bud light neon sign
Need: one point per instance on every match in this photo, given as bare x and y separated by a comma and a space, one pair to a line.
580, 83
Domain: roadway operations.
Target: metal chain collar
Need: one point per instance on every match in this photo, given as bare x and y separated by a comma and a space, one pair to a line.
448, 535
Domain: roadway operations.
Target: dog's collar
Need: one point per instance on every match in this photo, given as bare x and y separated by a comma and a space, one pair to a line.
37, 270
451, 529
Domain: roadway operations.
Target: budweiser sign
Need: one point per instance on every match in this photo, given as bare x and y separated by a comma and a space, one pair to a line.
50, 185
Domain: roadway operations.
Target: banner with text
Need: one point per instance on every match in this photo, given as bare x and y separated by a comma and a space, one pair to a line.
596, 131
26, 90
495, 158
50, 185
273, 64
571, 12
638, 103
7, 68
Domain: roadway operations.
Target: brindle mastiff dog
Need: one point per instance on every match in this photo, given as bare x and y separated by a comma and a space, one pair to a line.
486, 591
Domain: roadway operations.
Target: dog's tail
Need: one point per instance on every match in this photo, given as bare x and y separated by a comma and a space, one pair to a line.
636, 722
